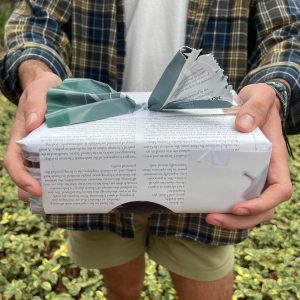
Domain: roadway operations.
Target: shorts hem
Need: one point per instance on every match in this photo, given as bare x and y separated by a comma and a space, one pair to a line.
91, 263
215, 274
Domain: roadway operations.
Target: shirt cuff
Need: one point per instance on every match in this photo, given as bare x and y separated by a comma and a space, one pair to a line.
291, 74
9, 65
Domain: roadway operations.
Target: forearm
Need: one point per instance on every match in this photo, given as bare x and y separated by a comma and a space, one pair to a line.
35, 32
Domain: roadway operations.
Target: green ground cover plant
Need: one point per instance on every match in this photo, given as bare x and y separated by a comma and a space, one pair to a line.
34, 262
5, 10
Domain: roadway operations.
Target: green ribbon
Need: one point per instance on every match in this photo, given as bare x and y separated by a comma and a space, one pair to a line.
83, 100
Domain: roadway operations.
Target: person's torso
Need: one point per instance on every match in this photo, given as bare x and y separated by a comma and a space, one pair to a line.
155, 30
98, 46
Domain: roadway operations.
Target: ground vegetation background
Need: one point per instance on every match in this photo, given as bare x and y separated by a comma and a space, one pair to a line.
34, 263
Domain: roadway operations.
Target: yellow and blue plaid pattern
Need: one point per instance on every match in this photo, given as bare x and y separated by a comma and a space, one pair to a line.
253, 41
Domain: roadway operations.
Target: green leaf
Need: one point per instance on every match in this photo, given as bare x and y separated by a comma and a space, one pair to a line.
46, 286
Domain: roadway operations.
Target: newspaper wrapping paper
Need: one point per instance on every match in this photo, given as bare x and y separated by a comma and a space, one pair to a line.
190, 82
164, 158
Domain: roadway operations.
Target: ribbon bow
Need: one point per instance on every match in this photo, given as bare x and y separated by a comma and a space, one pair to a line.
82, 100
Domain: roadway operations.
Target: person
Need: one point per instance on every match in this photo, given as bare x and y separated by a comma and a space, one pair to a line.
121, 43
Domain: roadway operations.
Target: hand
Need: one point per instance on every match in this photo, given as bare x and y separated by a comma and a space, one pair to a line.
36, 79
260, 108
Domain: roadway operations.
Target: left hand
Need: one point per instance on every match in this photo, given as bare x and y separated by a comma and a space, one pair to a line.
260, 109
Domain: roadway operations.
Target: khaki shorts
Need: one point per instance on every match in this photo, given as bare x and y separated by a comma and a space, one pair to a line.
187, 258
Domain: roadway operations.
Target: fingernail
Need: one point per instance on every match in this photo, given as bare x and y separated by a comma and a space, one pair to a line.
31, 118
216, 223
246, 121
242, 211
28, 189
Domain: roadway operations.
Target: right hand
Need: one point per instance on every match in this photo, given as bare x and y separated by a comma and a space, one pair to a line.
30, 114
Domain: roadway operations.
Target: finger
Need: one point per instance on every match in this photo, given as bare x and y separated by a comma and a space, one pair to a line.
229, 221
23, 195
271, 197
279, 186
255, 111
35, 103
13, 160
278, 168
13, 163
252, 212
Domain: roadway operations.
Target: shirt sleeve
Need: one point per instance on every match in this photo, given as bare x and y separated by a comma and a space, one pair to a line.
277, 51
35, 31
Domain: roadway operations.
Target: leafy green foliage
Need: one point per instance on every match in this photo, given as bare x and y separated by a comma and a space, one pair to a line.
5, 10
34, 262
268, 263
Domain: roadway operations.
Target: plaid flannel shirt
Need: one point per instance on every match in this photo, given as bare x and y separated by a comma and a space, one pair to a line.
253, 41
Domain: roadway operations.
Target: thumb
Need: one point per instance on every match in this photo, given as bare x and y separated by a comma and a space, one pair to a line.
33, 99
34, 107
245, 122
34, 114
256, 109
